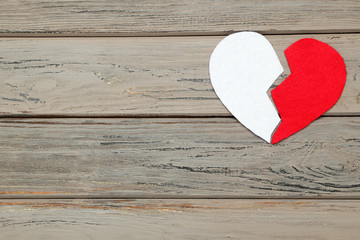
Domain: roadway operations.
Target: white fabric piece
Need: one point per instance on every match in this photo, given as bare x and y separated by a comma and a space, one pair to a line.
243, 66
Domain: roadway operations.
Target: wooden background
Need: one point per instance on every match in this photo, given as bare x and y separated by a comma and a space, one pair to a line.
110, 127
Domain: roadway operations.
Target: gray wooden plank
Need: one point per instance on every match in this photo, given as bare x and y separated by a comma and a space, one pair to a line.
134, 76
179, 219
94, 17
185, 157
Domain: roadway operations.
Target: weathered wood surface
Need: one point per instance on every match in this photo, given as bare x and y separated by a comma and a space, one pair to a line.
94, 17
106, 176
179, 219
209, 157
136, 76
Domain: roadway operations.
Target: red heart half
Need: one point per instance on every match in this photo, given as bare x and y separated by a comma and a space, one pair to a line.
317, 79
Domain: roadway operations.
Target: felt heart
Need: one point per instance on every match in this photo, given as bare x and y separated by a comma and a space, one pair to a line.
244, 65
317, 79
242, 68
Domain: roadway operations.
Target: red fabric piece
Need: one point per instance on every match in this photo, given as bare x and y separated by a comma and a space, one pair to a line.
317, 79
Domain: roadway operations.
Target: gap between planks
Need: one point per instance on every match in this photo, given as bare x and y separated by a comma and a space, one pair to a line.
183, 197
116, 115
171, 34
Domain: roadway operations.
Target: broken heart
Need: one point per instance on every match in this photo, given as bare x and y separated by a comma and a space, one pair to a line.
244, 65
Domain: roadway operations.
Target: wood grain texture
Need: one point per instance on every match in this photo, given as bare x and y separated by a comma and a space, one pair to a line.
171, 177
129, 18
179, 219
134, 76
214, 157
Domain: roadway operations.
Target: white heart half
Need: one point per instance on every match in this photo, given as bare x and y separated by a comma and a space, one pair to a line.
243, 66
